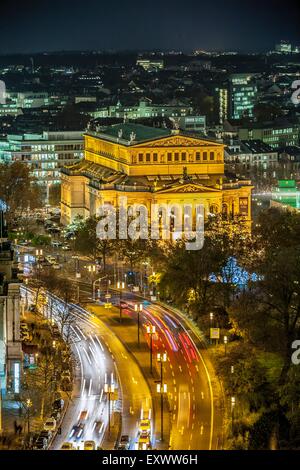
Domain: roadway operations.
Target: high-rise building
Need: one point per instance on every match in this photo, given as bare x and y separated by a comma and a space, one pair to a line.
222, 103
44, 153
284, 47
242, 95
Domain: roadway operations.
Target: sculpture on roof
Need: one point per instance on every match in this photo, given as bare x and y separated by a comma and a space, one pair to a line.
132, 136
120, 133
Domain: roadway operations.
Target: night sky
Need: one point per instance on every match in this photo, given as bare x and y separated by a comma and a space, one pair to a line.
55, 25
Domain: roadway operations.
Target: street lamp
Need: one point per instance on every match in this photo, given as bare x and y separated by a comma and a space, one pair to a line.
38, 253
94, 285
120, 286
211, 317
109, 389
161, 388
28, 406
232, 412
138, 308
225, 343
151, 331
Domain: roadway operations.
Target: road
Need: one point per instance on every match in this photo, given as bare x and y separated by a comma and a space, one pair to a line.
187, 377
100, 358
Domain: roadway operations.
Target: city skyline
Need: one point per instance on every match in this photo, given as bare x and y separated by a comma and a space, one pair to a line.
130, 24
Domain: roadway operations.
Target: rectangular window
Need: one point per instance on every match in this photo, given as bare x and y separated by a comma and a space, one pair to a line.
170, 157
155, 157
183, 156
141, 157
243, 203
204, 155
197, 156
147, 157
211, 156
176, 157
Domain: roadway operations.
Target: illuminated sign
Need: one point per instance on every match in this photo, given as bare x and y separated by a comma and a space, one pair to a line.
17, 377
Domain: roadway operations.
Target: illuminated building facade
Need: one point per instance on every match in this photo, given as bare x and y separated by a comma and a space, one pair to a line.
151, 166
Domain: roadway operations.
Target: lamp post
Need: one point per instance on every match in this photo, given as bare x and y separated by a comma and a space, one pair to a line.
138, 308
28, 406
109, 389
225, 343
120, 286
151, 331
211, 317
94, 285
232, 413
163, 389
38, 253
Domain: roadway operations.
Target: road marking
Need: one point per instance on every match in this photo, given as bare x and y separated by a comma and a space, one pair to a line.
202, 395
90, 387
174, 381
201, 429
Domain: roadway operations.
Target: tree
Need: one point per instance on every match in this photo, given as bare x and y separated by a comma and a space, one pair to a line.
87, 242
134, 251
18, 190
187, 277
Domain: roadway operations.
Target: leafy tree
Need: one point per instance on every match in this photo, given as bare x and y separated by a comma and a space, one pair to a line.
18, 190
87, 242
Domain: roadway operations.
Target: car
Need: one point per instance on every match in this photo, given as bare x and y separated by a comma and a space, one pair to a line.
46, 434
66, 375
89, 445
51, 259
56, 266
67, 446
40, 444
83, 415
144, 443
56, 244
98, 426
55, 414
124, 442
77, 430
32, 308
145, 427
66, 248
50, 424
58, 404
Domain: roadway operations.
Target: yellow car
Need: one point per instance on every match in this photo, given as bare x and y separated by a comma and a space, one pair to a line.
89, 445
67, 446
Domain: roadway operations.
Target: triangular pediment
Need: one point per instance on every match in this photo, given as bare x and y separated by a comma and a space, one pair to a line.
179, 140
188, 187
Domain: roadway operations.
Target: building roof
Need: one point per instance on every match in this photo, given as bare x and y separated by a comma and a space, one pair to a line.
130, 132
256, 146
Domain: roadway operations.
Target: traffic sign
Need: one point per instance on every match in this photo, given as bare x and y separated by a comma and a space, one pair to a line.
214, 333
108, 305
108, 296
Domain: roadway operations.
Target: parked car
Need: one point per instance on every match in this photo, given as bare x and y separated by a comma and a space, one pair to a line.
46, 434
40, 444
50, 424
58, 404
124, 442
67, 446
